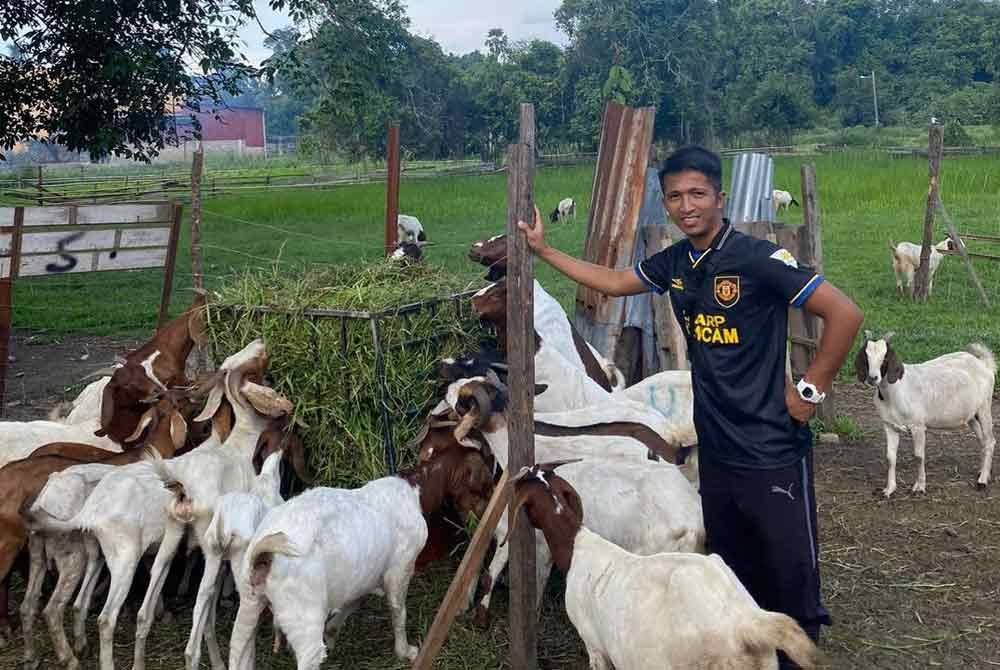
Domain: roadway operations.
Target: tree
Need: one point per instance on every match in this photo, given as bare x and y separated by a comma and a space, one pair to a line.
103, 76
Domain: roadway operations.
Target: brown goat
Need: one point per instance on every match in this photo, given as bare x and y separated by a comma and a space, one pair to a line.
21, 481
493, 254
149, 371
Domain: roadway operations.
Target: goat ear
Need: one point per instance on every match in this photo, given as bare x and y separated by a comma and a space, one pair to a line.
107, 409
296, 454
178, 430
893, 367
212, 404
144, 422
222, 421
861, 363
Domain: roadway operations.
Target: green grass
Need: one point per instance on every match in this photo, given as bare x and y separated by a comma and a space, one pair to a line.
865, 199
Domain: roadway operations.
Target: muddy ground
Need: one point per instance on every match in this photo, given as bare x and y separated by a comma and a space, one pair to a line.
912, 582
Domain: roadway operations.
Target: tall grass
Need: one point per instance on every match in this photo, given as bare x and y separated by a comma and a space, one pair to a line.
865, 200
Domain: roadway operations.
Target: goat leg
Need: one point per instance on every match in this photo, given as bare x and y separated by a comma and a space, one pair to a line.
144, 621
32, 596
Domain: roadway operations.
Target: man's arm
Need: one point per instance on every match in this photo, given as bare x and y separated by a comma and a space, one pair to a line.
841, 321
606, 280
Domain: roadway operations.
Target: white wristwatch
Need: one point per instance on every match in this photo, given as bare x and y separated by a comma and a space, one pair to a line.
809, 392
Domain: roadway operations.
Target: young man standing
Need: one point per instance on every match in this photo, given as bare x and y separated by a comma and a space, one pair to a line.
731, 294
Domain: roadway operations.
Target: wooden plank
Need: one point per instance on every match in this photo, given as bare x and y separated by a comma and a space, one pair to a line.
521, 371
125, 213
145, 237
131, 259
7, 301
68, 240
50, 265
467, 573
810, 252
169, 265
935, 145
392, 188
670, 340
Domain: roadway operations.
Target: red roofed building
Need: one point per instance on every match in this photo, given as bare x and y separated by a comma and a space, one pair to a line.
240, 131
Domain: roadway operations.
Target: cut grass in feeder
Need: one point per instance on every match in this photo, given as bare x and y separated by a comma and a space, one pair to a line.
355, 349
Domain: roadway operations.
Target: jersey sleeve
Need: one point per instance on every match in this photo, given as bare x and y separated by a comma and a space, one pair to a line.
777, 269
656, 271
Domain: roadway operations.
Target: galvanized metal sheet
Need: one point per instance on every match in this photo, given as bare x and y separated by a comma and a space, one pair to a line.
752, 185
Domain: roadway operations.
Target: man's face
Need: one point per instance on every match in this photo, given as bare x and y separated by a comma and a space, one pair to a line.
693, 204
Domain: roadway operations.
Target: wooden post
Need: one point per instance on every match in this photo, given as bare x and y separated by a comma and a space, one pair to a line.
468, 571
670, 341
392, 187
40, 201
7, 299
521, 362
935, 147
197, 268
170, 263
810, 253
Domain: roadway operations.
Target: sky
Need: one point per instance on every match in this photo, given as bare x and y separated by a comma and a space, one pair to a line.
459, 27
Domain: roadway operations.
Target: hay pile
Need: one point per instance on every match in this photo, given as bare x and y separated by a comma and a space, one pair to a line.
336, 388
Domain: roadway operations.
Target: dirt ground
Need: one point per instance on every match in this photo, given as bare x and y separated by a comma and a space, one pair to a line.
911, 582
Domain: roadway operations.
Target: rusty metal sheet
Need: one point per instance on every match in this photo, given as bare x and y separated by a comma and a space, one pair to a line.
616, 200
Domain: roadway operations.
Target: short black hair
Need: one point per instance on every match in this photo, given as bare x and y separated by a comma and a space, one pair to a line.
695, 158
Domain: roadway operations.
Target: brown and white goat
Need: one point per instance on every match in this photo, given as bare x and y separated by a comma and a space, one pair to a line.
21, 482
667, 611
148, 371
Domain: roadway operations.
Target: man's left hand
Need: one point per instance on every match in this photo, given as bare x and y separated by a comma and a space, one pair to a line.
799, 409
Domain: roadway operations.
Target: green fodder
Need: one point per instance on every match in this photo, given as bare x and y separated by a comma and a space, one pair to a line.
328, 366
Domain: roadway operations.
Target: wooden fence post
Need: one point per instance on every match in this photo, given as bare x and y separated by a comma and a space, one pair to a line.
7, 299
392, 188
669, 335
809, 253
169, 264
521, 361
935, 147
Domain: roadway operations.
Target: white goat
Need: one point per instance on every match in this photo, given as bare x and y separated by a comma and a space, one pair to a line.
233, 524
947, 392
408, 229
667, 611
322, 552
782, 200
564, 210
906, 260
19, 438
617, 478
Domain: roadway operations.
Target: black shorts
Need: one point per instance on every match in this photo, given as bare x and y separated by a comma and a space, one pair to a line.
763, 524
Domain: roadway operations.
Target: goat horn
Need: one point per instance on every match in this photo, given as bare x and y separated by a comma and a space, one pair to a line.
888, 336
468, 422
484, 403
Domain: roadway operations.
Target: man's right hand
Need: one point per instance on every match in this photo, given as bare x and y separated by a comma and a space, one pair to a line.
535, 235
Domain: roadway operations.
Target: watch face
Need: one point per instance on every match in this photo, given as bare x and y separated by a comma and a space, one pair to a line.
807, 392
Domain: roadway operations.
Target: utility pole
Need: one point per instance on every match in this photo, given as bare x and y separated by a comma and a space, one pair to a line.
874, 93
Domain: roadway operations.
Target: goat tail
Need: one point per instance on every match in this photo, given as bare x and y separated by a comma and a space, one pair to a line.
60, 411
181, 508
982, 352
770, 630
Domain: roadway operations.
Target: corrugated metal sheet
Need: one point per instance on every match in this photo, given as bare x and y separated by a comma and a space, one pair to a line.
616, 200
750, 193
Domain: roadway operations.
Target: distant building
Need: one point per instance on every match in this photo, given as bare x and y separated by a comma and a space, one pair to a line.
240, 131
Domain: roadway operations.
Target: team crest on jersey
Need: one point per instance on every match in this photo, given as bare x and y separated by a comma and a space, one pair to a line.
785, 257
727, 290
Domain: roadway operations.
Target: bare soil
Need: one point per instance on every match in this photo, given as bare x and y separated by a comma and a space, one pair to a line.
912, 582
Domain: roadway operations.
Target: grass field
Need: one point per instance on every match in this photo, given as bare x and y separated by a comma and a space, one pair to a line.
865, 200
904, 578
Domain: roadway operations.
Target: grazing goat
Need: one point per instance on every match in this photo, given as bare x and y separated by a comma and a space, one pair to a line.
408, 229
947, 392
564, 210
130, 511
782, 200
408, 252
553, 326
906, 260
372, 535
236, 517
604, 434
58, 497
667, 611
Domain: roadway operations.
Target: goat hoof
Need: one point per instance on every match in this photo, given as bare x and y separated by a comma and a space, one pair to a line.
920, 488
980, 486
481, 618
887, 493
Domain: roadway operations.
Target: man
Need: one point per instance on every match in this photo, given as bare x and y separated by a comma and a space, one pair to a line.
731, 294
